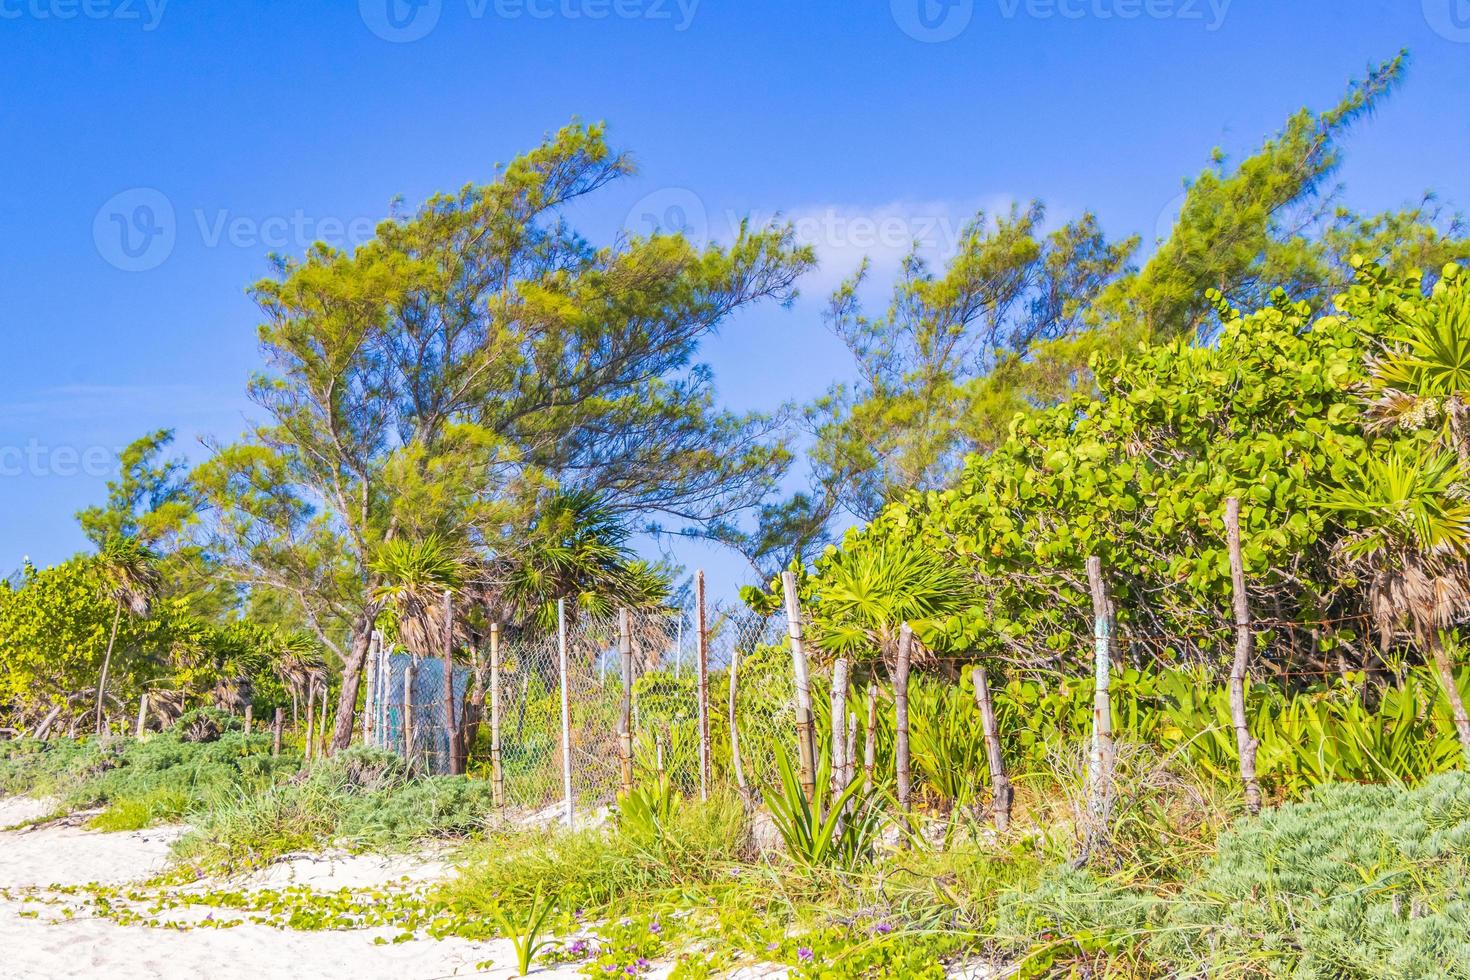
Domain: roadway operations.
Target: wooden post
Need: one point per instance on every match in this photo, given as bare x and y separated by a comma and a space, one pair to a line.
625, 720
276, 730
839, 727
1100, 761
734, 727
1244, 744
322, 731
703, 647
142, 715
849, 773
870, 745
310, 718
805, 741
451, 730
249, 717
1000, 785
408, 743
901, 716
497, 776
566, 711
370, 681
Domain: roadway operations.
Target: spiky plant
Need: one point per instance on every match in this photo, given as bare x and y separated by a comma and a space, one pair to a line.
866, 594
131, 581
415, 574
1409, 537
576, 549
1421, 377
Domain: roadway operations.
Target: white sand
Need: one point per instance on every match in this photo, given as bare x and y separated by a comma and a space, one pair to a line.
45, 943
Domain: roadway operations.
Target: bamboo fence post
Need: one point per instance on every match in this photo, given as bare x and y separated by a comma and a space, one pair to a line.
497, 776
276, 730
734, 728
839, 727
703, 648
805, 740
142, 714
870, 743
310, 718
249, 717
625, 718
370, 686
850, 771
1000, 784
566, 710
1244, 743
408, 744
901, 716
451, 731
323, 744
1100, 760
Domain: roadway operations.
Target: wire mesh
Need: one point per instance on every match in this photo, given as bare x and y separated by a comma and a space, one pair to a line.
664, 710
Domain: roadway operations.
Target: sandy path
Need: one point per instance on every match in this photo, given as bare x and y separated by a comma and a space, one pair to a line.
37, 941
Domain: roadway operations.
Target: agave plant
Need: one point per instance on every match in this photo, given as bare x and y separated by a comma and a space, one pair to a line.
1409, 536
842, 838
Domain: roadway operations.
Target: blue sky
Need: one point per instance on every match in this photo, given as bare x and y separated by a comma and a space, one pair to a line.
252, 126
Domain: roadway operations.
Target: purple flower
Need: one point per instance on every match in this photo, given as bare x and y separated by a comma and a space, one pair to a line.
642, 963
804, 953
772, 947
655, 928
883, 928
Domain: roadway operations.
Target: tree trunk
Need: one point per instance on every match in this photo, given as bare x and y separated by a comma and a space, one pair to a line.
1459, 416
1446, 670
1000, 785
1245, 745
106, 663
901, 716
362, 638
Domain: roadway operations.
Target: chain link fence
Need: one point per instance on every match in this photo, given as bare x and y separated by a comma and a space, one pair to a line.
664, 712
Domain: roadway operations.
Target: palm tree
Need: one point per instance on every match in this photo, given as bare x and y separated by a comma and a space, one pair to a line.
869, 599
1409, 536
131, 581
576, 549
1421, 378
415, 575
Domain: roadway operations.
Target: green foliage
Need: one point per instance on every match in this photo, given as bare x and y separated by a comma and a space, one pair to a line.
841, 837
525, 933
1359, 881
648, 811
594, 868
